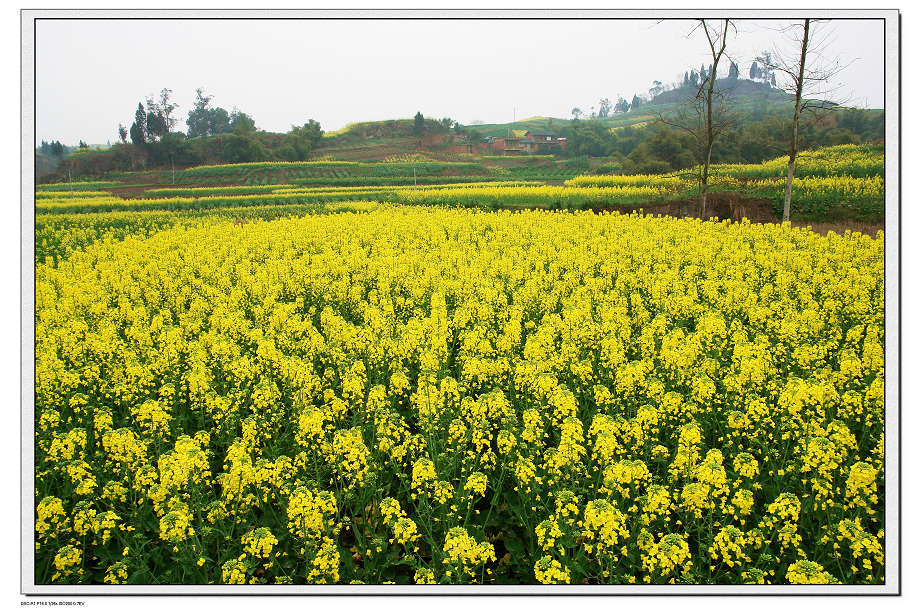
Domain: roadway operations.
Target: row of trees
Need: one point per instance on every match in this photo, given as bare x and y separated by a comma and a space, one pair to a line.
214, 136
757, 72
605, 108
54, 149
156, 121
226, 136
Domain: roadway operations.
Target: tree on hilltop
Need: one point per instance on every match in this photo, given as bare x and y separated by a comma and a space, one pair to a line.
301, 141
167, 106
604, 108
733, 71
241, 123
204, 120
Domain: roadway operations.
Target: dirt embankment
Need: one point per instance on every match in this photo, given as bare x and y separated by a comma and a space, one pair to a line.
139, 190
721, 206
736, 208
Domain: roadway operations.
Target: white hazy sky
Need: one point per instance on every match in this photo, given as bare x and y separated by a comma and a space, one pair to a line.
90, 74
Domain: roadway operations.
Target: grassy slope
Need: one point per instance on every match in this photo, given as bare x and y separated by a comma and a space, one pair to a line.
379, 139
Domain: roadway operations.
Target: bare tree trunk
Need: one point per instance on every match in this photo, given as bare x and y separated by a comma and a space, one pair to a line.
793, 150
710, 137
705, 184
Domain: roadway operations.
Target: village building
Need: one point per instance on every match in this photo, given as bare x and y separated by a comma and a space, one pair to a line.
532, 142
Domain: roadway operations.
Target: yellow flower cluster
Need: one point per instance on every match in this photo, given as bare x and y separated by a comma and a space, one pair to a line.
665, 556
449, 395
549, 571
808, 572
405, 531
464, 554
259, 542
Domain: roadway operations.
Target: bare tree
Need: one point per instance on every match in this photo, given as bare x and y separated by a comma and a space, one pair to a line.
706, 114
807, 77
715, 40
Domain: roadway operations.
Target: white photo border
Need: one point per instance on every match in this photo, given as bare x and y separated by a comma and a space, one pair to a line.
892, 585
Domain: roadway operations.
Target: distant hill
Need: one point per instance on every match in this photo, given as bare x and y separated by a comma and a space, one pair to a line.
743, 91
754, 99
394, 139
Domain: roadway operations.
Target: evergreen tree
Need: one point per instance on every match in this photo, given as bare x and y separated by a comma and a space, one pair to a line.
139, 127
733, 71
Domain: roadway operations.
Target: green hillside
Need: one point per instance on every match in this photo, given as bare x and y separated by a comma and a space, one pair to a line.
751, 99
629, 142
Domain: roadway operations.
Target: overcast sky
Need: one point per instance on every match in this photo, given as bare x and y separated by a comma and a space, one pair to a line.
92, 73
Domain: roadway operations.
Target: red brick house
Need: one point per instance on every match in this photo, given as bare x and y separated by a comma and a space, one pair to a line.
545, 138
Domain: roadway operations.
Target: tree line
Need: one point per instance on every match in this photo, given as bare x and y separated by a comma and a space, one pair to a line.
214, 135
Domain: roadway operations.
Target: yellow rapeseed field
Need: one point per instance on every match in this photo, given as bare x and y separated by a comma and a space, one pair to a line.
431, 395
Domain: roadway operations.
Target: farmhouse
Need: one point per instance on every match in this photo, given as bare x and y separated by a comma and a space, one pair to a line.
533, 141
